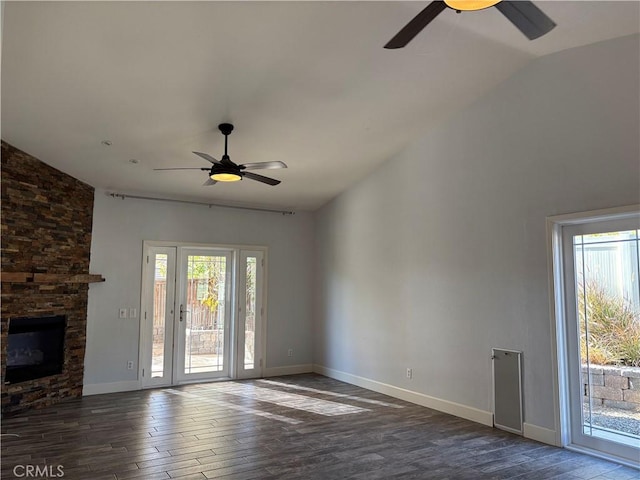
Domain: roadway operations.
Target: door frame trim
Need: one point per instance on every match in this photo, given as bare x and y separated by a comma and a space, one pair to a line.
555, 264
236, 248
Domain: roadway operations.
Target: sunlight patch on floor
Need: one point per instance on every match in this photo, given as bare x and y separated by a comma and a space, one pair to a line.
333, 394
231, 406
290, 400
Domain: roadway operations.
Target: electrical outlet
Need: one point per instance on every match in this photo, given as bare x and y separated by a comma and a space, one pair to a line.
130, 365
290, 352
133, 313
409, 373
122, 313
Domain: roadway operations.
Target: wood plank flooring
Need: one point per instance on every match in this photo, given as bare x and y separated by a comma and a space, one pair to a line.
296, 427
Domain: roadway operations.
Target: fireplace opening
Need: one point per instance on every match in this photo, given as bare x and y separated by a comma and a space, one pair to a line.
35, 348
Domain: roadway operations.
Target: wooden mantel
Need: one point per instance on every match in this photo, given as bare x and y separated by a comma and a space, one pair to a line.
28, 277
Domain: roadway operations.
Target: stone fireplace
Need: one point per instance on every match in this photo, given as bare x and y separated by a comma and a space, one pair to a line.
46, 240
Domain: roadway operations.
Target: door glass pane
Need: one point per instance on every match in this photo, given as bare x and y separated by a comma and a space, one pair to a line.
608, 312
159, 311
250, 315
205, 314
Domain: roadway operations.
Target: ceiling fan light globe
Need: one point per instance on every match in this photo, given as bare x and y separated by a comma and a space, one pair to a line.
470, 5
225, 177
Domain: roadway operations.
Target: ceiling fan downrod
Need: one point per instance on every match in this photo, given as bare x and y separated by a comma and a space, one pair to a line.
225, 129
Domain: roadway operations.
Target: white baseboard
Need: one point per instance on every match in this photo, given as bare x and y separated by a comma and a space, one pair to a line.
113, 387
288, 370
452, 408
127, 386
539, 434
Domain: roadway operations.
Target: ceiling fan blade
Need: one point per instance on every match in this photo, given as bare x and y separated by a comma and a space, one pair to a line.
527, 18
182, 168
260, 178
209, 182
263, 165
208, 158
416, 25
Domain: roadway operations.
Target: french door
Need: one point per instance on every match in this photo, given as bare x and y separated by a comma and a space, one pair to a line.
602, 324
202, 316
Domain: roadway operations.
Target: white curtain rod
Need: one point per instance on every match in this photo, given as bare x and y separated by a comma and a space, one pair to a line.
158, 199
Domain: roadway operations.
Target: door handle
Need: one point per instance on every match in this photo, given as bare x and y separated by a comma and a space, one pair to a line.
181, 312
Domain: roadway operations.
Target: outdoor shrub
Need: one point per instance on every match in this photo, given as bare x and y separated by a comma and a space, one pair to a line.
612, 330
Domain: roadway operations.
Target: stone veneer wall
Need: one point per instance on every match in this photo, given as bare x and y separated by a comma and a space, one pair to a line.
614, 387
46, 228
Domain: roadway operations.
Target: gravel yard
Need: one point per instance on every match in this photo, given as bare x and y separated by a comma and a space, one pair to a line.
627, 421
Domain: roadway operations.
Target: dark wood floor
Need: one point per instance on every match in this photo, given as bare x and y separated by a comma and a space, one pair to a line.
302, 427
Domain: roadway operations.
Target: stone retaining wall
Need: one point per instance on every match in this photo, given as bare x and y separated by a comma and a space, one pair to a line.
204, 342
615, 387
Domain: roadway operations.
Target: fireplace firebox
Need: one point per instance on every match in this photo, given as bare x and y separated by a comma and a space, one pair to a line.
35, 348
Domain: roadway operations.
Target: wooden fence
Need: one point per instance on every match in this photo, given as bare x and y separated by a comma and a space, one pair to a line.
200, 317
205, 325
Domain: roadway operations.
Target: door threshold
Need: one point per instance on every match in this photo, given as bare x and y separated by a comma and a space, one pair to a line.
204, 380
604, 456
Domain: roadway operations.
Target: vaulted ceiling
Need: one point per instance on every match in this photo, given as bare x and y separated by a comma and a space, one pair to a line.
307, 83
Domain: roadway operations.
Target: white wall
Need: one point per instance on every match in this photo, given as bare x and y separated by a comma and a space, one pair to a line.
121, 226
440, 254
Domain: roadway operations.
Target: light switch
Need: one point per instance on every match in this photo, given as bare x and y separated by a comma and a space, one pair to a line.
133, 313
122, 313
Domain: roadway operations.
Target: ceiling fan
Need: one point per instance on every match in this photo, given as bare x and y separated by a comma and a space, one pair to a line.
527, 18
225, 170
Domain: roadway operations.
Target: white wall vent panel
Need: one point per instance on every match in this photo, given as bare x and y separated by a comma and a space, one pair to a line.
507, 390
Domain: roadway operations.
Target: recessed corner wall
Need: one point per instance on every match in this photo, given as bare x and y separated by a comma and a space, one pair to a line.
46, 229
121, 226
